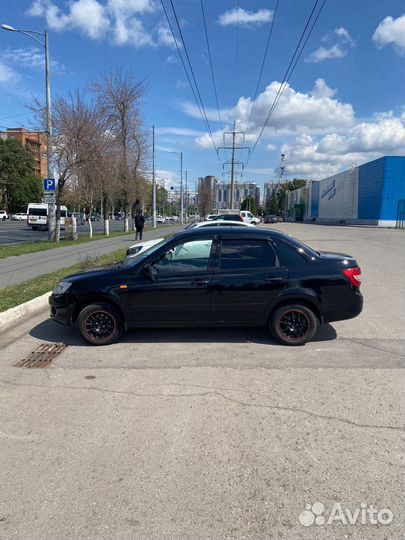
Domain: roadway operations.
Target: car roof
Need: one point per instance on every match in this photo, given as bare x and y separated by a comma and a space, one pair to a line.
214, 223
252, 232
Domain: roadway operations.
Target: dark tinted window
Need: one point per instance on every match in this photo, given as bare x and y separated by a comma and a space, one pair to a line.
289, 256
229, 217
38, 212
246, 254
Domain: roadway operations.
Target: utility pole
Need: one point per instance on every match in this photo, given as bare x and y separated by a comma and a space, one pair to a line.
181, 190
186, 198
153, 180
233, 163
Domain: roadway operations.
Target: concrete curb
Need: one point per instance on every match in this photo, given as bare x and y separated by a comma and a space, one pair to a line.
13, 315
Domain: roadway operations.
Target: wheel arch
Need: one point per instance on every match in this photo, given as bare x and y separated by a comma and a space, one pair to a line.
297, 300
95, 299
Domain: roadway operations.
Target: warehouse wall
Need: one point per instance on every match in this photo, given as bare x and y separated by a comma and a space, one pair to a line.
338, 196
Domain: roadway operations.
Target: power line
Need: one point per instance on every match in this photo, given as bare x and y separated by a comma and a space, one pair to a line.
236, 52
290, 69
263, 63
210, 59
204, 115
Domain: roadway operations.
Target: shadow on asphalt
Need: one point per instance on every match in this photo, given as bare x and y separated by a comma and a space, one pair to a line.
56, 333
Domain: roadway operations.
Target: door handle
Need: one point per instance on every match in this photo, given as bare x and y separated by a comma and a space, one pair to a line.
200, 282
275, 280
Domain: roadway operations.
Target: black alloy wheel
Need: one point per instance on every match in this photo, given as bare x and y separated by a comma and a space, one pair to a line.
100, 324
294, 324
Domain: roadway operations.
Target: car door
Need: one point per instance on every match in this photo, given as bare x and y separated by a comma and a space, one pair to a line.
246, 280
173, 289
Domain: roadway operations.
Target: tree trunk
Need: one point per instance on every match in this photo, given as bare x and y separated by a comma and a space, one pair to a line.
107, 227
90, 223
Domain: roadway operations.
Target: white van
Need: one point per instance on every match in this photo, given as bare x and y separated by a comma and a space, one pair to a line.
38, 216
248, 217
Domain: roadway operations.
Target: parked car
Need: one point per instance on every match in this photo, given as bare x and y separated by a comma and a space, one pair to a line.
95, 217
19, 216
226, 276
271, 218
160, 219
216, 223
249, 217
140, 247
3, 215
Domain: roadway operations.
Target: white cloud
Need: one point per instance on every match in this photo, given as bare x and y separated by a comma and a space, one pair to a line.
117, 20
326, 54
6, 73
334, 50
32, 57
391, 31
245, 18
271, 147
314, 112
365, 141
344, 34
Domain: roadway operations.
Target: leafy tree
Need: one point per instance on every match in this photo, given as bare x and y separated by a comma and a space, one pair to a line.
18, 183
250, 204
273, 205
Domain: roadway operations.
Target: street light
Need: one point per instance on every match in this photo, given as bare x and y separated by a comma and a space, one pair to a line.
45, 44
181, 183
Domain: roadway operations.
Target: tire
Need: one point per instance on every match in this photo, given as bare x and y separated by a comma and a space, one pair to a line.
294, 324
34, 228
100, 324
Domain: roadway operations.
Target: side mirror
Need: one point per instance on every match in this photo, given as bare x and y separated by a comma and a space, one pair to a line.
149, 272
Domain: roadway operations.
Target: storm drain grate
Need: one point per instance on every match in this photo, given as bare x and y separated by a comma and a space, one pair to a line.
42, 356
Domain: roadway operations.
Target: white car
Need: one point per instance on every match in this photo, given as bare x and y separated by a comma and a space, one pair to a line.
160, 219
140, 247
248, 217
3, 215
20, 216
219, 223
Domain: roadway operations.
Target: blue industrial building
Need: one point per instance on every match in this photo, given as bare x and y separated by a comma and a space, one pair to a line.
370, 194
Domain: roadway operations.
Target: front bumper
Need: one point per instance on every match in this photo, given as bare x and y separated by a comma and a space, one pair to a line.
61, 310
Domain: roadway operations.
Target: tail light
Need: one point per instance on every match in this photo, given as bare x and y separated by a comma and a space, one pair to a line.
353, 275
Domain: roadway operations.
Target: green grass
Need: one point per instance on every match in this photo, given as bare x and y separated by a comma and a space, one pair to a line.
22, 292
43, 245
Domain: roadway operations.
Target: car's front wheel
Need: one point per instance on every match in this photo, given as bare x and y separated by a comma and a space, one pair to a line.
100, 324
293, 324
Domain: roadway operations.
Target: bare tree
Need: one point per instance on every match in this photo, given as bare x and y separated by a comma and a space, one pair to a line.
119, 96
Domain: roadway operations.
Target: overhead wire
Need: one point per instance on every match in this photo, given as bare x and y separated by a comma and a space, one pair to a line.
199, 100
293, 62
263, 64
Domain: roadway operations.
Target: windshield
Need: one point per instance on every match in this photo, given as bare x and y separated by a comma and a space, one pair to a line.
135, 260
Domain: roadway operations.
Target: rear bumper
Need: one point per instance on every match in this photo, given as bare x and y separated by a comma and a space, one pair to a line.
348, 310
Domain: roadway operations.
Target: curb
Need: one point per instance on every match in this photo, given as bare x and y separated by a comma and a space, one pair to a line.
13, 315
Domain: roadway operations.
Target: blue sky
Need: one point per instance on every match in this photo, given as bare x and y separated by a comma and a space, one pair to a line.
344, 103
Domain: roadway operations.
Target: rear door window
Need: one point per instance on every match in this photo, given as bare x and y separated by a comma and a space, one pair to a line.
239, 254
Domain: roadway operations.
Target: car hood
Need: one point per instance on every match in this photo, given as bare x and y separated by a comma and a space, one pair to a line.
98, 272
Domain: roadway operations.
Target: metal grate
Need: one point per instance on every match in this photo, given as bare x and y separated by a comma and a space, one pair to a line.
42, 356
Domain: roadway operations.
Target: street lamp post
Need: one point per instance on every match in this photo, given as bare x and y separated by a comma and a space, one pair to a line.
45, 45
181, 184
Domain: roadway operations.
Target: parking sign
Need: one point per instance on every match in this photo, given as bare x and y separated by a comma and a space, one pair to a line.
49, 184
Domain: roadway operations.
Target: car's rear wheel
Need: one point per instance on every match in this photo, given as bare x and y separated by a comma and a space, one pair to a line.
100, 324
293, 324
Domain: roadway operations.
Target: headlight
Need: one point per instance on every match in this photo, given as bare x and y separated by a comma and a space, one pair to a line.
61, 287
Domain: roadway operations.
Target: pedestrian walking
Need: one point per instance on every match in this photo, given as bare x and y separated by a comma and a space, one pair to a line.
139, 225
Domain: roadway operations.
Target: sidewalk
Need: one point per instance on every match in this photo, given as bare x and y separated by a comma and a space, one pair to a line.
24, 267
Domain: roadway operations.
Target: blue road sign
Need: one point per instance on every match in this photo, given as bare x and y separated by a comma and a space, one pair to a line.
49, 184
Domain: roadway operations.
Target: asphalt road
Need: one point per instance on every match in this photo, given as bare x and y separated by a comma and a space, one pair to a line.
15, 232
30, 265
212, 433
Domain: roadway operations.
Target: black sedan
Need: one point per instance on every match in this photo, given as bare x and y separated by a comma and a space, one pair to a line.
223, 277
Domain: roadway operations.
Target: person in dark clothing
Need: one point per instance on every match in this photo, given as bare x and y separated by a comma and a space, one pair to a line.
139, 225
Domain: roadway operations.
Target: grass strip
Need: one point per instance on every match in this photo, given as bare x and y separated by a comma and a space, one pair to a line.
14, 250
22, 292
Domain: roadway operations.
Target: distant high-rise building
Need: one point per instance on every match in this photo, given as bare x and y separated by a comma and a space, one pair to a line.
207, 194
34, 141
269, 188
